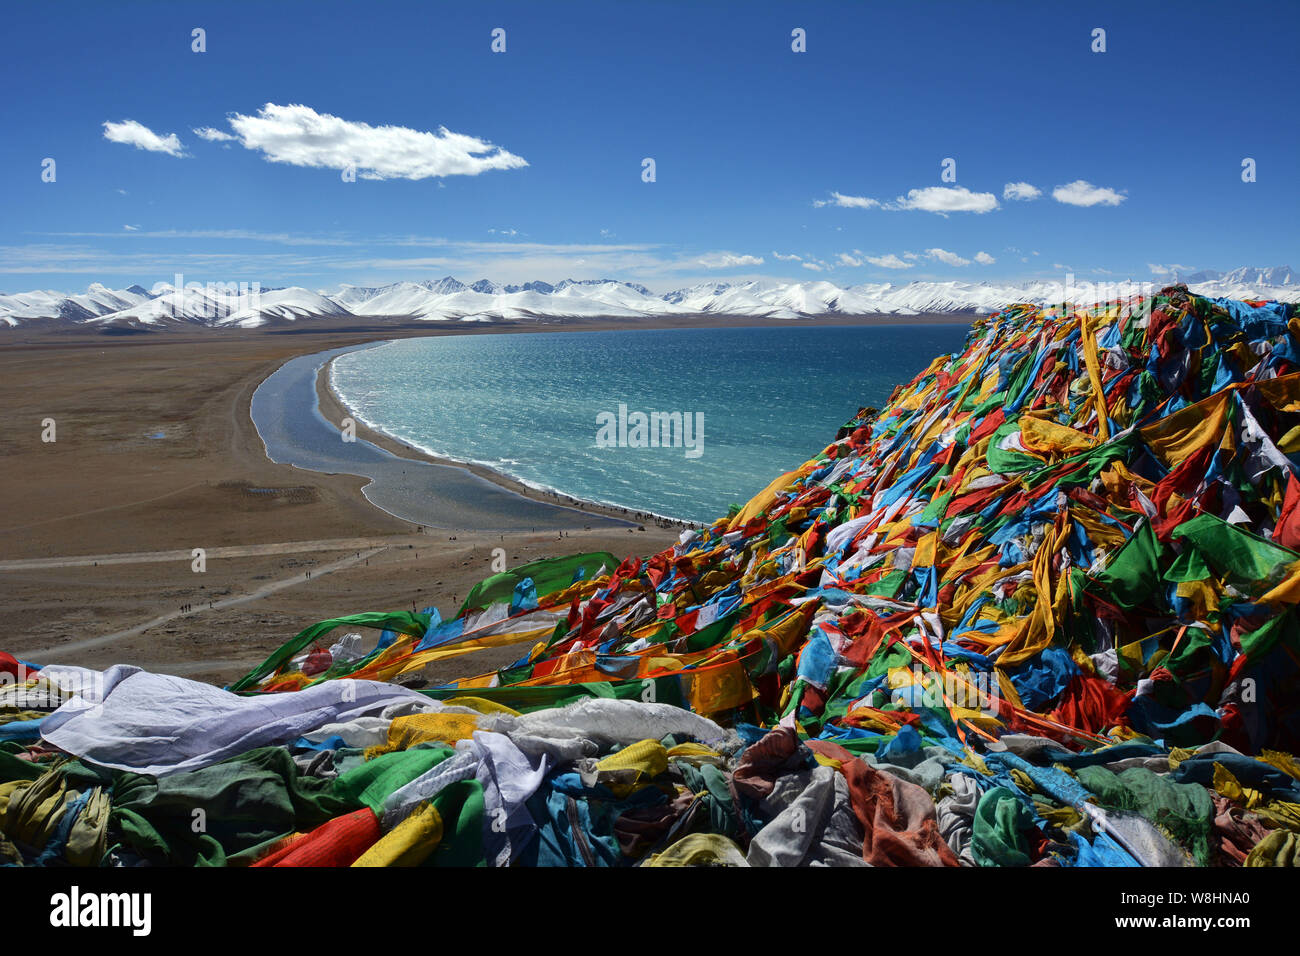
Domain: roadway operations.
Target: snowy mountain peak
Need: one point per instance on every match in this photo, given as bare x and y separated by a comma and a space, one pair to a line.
545, 288
444, 286
704, 289
567, 283
1276, 276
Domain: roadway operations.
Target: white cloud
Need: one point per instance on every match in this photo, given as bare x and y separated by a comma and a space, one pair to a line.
130, 228
911, 255
1169, 269
946, 199
213, 135
890, 261
300, 136
949, 258
847, 202
790, 258
1021, 191
142, 137
726, 260
984, 259
815, 267
845, 259
936, 199
1083, 193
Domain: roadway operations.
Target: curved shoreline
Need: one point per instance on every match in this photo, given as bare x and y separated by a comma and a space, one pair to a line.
288, 411
334, 409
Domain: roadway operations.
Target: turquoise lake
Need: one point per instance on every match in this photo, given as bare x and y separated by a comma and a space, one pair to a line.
531, 405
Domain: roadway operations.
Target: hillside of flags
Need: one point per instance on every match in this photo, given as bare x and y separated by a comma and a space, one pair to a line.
1038, 610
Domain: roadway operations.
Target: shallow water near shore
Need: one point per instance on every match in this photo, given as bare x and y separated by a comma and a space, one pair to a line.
288, 418
532, 406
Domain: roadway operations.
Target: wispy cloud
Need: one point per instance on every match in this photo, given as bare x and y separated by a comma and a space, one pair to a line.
790, 258
1083, 193
726, 260
140, 136
984, 259
1020, 191
283, 238
946, 257
300, 136
70, 259
847, 202
504, 261
889, 261
213, 135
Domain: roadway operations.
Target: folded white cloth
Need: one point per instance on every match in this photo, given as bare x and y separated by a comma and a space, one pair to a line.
129, 719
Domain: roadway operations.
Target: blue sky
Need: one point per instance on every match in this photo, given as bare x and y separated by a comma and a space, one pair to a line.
761, 154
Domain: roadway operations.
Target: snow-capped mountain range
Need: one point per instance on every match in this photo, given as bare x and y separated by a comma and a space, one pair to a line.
448, 299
